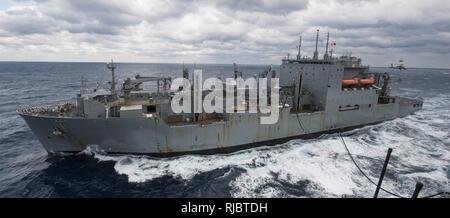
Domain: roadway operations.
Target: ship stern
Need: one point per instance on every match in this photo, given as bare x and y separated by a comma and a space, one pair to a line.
407, 106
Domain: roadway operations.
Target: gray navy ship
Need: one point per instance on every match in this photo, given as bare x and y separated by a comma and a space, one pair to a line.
317, 96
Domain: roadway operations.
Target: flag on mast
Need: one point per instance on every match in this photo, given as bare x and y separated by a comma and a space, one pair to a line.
333, 43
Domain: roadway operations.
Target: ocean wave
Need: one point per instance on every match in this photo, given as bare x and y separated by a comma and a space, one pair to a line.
320, 167
300, 168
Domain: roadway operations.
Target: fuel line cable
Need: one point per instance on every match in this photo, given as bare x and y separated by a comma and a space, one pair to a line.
371, 181
363, 173
300, 122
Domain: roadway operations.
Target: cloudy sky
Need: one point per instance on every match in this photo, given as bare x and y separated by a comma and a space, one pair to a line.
223, 31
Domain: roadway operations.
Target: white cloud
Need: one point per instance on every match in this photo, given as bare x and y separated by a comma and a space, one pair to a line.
248, 31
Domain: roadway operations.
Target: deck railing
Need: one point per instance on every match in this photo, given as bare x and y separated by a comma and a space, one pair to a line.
61, 109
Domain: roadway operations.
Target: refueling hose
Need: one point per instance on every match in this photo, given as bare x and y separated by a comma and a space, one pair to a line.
371, 181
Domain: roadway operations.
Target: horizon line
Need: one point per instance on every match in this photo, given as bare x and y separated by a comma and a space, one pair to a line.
248, 64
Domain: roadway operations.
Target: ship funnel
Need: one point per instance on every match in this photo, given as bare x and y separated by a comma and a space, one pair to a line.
316, 54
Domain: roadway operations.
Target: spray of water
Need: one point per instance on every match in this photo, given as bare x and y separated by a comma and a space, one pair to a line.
320, 167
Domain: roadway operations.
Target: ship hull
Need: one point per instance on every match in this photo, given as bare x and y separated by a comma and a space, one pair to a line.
152, 136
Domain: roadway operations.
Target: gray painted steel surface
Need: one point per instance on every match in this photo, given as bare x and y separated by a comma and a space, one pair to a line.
324, 104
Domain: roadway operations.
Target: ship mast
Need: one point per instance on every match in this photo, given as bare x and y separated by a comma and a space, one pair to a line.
112, 67
185, 72
316, 54
299, 48
237, 73
325, 56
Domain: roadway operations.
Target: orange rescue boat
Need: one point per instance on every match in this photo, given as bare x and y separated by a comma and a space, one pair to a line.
350, 82
356, 81
368, 81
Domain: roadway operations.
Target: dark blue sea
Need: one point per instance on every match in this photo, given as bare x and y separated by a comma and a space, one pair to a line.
300, 168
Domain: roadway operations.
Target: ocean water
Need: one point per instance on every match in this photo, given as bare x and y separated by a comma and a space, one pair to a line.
300, 168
